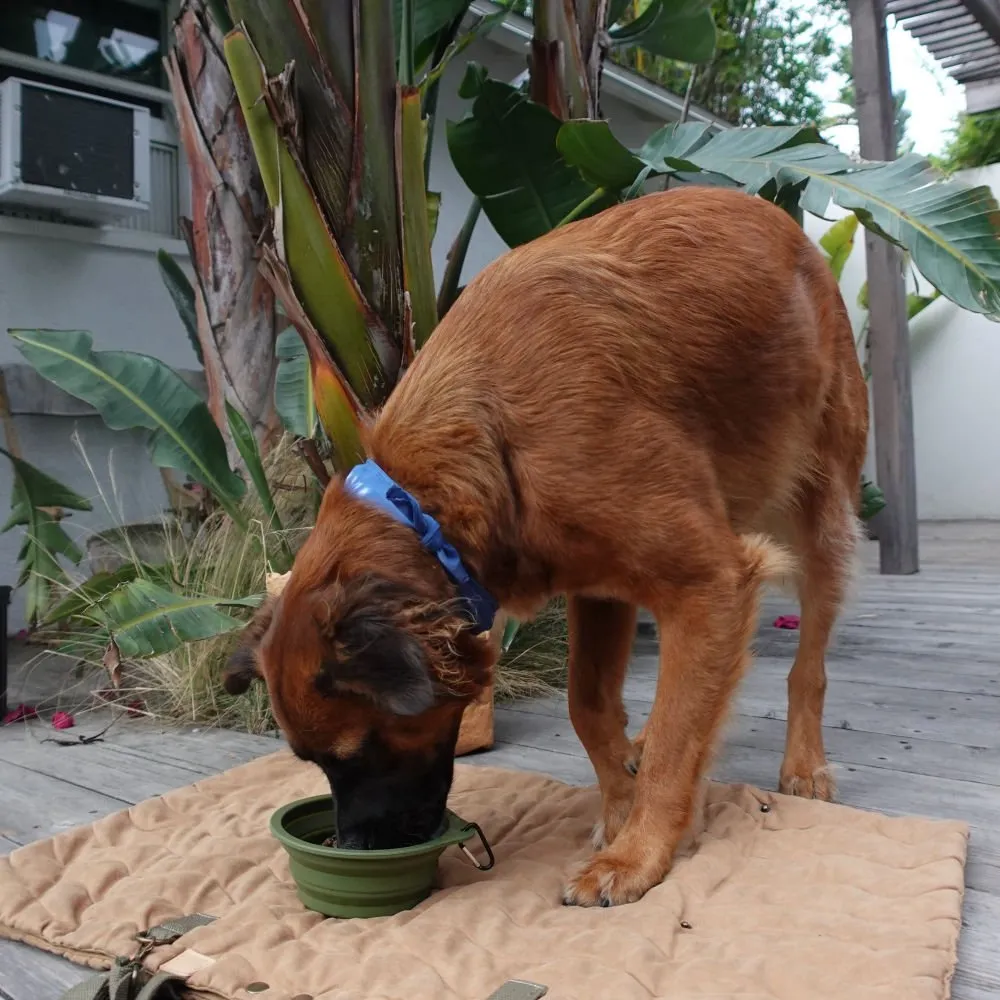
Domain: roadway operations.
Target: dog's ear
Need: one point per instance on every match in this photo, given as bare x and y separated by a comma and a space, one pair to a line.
241, 671
370, 651
371, 656
242, 668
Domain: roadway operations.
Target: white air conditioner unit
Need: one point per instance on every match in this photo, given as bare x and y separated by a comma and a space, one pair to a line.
82, 156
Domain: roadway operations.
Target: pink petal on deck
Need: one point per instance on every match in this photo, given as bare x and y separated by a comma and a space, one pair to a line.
63, 720
786, 621
20, 714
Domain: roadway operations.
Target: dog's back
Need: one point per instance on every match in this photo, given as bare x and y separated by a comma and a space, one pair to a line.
695, 333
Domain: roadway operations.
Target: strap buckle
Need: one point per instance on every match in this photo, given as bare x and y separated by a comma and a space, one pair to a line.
146, 945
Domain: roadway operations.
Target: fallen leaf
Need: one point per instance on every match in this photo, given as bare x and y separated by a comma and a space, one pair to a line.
112, 661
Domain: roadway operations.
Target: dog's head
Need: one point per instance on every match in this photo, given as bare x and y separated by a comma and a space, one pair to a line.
369, 664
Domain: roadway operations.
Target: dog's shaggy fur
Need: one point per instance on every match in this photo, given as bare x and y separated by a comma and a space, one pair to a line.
660, 406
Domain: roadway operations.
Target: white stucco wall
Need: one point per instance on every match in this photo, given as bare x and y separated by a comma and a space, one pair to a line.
52, 276
956, 405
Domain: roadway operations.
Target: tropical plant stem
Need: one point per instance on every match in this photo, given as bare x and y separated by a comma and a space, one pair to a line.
307, 446
576, 212
686, 106
407, 70
685, 111
456, 260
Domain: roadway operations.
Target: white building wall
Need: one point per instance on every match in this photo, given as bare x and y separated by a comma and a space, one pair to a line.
55, 278
956, 404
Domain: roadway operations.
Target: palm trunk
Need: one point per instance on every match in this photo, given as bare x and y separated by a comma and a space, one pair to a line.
237, 319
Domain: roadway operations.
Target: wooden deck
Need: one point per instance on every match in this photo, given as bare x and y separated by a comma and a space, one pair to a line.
913, 726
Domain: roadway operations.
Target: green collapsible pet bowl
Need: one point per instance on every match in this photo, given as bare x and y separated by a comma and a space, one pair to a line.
338, 882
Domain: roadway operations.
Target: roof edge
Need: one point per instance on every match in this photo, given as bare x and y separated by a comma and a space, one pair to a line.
515, 32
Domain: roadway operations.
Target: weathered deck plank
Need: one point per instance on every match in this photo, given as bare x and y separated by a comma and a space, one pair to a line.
914, 673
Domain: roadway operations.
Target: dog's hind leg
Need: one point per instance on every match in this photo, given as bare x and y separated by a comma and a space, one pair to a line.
825, 530
600, 641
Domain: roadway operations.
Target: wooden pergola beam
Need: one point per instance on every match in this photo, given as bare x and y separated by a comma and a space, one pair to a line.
889, 338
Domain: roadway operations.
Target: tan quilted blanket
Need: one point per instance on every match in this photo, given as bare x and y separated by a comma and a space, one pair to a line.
802, 901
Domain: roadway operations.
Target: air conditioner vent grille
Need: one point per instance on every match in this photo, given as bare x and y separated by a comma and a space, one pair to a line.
75, 144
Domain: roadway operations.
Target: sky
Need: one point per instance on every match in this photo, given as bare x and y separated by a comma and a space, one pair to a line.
933, 98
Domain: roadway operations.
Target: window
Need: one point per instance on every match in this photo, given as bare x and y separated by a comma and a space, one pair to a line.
109, 37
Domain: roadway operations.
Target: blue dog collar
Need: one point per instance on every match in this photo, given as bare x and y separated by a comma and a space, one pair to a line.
370, 483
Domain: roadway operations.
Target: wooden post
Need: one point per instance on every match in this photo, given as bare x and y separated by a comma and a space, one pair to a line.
889, 337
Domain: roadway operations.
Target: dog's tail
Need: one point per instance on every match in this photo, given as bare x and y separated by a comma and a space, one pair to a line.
765, 561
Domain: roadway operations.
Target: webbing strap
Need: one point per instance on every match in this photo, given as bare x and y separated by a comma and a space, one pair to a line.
117, 983
170, 930
127, 980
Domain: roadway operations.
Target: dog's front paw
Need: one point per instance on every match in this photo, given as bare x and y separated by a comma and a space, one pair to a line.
608, 879
808, 781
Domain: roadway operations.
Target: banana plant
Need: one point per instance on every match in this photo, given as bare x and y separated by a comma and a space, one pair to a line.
34, 498
136, 611
142, 619
837, 243
340, 125
133, 391
950, 231
229, 309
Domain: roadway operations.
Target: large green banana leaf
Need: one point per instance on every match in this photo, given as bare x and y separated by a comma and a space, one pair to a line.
333, 168
505, 151
838, 242
431, 20
133, 390
76, 602
34, 495
181, 290
293, 389
249, 449
143, 619
950, 230
418, 268
674, 29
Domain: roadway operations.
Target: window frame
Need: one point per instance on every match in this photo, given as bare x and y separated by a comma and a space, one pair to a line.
111, 85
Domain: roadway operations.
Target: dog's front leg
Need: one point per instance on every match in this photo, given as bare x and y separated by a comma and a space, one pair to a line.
600, 641
704, 640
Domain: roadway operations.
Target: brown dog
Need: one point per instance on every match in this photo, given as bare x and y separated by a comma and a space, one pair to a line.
626, 411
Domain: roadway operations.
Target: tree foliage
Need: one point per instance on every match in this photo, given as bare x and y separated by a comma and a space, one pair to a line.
768, 57
974, 143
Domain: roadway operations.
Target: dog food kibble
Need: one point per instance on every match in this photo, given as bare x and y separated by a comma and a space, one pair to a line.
329, 842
